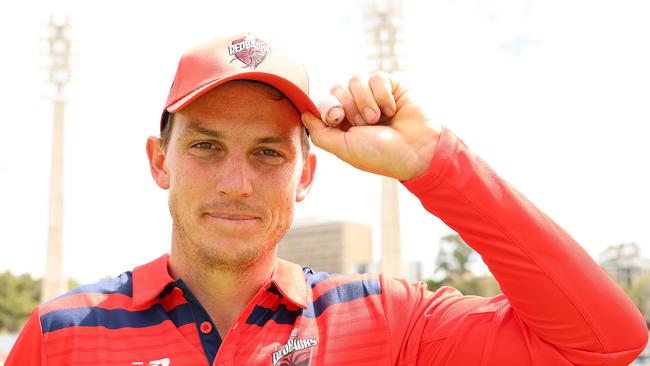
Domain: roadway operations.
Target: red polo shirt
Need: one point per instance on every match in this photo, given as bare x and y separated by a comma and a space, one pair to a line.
559, 307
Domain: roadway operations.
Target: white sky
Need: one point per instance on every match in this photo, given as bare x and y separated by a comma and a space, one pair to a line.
554, 95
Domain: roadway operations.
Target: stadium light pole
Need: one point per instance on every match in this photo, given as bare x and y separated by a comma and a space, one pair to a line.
59, 71
384, 39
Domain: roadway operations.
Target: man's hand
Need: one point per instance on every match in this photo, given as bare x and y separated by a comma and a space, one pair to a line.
384, 131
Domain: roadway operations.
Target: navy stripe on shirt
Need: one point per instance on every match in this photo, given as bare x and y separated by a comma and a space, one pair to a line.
115, 318
312, 279
340, 294
344, 293
261, 315
121, 284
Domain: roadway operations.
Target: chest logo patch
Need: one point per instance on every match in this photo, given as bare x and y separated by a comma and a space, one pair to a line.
297, 352
161, 362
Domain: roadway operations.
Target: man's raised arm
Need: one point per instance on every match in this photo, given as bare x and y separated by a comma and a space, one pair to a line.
559, 307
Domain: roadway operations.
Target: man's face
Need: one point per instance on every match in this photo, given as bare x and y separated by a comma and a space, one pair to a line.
234, 167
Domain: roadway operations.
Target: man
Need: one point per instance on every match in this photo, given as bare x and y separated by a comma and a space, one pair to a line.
234, 155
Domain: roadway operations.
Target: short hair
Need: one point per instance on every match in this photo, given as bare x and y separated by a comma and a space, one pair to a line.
275, 94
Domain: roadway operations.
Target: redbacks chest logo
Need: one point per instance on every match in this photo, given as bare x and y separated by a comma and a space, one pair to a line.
297, 352
250, 50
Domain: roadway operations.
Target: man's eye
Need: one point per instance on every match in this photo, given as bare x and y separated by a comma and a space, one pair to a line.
204, 146
269, 152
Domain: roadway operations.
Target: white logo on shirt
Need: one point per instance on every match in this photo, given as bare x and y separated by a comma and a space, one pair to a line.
295, 352
161, 362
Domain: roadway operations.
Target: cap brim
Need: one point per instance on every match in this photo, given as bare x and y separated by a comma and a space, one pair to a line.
300, 99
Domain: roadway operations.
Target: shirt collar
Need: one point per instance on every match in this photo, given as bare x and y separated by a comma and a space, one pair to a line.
290, 281
150, 279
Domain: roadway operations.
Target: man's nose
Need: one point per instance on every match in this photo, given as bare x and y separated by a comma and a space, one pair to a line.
235, 179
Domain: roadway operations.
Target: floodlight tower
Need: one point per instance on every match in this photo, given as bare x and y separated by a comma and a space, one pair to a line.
383, 30
59, 70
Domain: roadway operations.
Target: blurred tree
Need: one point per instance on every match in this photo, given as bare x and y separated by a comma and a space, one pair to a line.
72, 283
625, 265
18, 296
454, 260
639, 292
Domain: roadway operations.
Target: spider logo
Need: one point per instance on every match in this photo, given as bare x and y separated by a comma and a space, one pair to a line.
298, 358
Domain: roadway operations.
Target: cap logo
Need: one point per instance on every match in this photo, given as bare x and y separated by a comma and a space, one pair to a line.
249, 50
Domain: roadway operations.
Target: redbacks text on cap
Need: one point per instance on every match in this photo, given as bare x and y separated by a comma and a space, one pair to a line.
237, 57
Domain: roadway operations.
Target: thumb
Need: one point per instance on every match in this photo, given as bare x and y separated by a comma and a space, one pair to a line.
314, 125
330, 139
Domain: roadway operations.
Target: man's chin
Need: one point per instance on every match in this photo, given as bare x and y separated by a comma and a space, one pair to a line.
232, 254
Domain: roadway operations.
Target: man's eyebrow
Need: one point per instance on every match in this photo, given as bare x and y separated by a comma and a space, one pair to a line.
273, 140
203, 131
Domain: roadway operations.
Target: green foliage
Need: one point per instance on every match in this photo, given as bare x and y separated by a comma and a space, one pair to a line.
18, 296
72, 283
454, 259
639, 292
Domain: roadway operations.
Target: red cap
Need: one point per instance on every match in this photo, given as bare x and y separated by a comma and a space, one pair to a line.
237, 57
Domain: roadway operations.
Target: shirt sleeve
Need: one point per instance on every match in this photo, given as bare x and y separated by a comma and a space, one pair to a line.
28, 349
557, 308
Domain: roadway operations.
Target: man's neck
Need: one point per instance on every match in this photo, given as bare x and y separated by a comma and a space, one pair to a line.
223, 293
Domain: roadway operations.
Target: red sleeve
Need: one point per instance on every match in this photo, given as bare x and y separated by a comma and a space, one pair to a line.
28, 349
558, 307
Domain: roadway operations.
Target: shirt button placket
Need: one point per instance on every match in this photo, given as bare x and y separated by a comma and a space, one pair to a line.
230, 347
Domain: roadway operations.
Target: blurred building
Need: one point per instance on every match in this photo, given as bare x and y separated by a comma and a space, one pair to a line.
623, 262
335, 247
413, 271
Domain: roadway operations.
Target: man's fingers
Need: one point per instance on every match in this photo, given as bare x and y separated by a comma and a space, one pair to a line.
352, 114
331, 110
382, 90
364, 99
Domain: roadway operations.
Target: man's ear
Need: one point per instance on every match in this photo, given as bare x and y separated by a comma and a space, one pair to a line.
156, 154
306, 178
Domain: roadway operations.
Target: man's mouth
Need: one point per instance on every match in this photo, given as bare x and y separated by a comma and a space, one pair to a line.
231, 216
